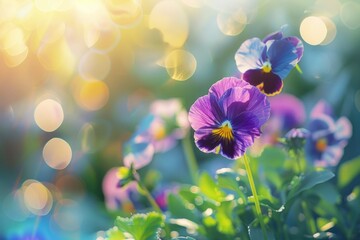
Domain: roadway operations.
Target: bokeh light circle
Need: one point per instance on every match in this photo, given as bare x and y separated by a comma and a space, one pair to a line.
180, 65
57, 153
92, 95
49, 115
232, 23
37, 198
313, 30
350, 14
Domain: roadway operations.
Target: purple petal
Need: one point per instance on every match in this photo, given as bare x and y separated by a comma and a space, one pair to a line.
273, 36
268, 83
255, 77
289, 109
343, 129
321, 108
273, 87
221, 86
201, 114
249, 55
282, 57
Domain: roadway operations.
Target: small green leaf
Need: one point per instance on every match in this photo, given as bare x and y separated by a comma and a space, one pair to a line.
308, 181
348, 171
141, 226
272, 158
180, 209
228, 179
224, 218
298, 68
209, 187
115, 234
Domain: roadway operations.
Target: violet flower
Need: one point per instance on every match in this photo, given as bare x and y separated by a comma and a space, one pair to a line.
229, 117
266, 63
325, 146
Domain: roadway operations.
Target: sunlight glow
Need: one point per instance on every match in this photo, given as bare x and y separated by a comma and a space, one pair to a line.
313, 30
180, 65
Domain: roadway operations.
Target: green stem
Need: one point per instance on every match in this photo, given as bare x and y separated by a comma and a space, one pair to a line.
190, 158
309, 219
256, 198
146, 192
297, 157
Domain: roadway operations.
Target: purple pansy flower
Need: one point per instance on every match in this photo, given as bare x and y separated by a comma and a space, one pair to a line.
266, 63
295, 139
328, 137
229, 117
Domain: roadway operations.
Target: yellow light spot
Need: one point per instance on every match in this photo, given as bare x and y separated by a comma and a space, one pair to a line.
313, 30
126, 13
109, 36
170, 19
350, 14
180, 65
232, 23
224, 131
92, 95
94, 65
194, 3
321, 145
37, 198
49, 115
57, 153
159, 132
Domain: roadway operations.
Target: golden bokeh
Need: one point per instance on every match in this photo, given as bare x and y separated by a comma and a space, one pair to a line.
91, 95
232, 23
331, 31
180, 65
57, 153
194, 3
170, 19
37, 197
49, 115
313, 30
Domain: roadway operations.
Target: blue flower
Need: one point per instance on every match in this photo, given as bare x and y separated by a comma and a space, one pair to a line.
265, 63
328, 137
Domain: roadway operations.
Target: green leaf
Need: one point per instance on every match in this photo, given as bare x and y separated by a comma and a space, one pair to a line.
224, 218
228, 179
209, 188
115, 234
308, 181
141, 226
348, 171
298, 68
181, 209
272, 158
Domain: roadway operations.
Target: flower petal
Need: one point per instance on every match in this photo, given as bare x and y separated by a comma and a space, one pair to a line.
220, 87
299, 47
138, 154
249, 55
343, 129
273, 36
268, 83
282, 57
201, 114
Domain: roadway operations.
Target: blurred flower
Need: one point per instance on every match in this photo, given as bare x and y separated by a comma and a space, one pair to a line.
161, 195
287, 112
157, 132
266, 63
295, 139
115, 197
30, 235
229, 117
328, 137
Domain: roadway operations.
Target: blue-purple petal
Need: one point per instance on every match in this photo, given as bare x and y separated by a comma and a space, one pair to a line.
273, 36
201, 114
250, 55
282, 57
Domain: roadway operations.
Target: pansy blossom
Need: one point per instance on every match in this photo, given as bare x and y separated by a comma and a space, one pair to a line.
229, 117
325, 146
265, 63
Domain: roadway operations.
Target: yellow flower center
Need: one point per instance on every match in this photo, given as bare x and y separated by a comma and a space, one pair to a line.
160, 132
321, 144
224, 131
267, 67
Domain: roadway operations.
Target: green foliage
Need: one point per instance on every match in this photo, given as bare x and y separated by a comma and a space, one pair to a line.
141, 226
348, 171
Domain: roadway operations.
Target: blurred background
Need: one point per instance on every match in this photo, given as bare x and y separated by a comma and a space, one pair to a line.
77, 76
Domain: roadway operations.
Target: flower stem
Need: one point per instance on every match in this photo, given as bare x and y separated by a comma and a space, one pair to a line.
297, 157
256, 198
146, 192
190, 158
309, 219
